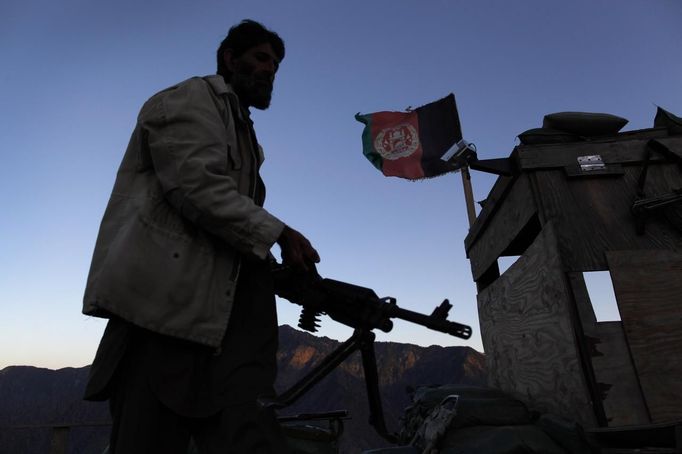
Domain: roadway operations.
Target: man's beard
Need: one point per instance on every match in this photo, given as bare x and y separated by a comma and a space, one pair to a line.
253, 89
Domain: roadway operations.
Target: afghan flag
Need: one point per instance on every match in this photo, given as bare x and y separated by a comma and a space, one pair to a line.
410, 144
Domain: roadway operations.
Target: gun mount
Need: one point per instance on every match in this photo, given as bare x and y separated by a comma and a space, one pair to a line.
361, 309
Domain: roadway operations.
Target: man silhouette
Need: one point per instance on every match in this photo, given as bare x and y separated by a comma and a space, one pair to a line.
181, 266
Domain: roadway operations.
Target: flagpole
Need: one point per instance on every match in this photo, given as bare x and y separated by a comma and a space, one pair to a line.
468, 195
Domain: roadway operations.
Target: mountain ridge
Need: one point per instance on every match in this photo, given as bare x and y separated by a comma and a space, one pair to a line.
40, 396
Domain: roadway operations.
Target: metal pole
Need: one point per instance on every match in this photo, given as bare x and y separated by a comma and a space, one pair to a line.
468, 195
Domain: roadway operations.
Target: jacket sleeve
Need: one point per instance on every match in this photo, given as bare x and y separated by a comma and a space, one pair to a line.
188, 145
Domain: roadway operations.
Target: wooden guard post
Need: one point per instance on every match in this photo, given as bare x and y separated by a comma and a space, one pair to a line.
542, 340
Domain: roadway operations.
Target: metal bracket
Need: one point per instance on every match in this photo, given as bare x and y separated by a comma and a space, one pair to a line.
643, 206
463, 154
591, 163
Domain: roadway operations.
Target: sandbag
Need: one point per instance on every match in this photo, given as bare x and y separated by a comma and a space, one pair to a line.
475, 405
499, 440
665, 119
567, 434
497, 411
587, 124
429, 396
538, 136
394, 450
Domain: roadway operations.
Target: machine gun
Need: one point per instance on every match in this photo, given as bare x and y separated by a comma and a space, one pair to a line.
361, 309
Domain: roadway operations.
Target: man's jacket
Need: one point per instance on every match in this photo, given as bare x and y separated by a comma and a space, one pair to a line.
181, 215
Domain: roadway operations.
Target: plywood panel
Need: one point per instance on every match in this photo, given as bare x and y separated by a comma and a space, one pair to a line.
528, 337
495, 198
594, 215
507, 221
614, 374
614, 151
648, 287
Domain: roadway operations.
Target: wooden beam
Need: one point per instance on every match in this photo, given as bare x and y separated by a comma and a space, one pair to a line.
468, 195
648, 288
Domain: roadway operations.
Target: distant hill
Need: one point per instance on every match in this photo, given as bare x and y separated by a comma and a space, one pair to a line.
32, 396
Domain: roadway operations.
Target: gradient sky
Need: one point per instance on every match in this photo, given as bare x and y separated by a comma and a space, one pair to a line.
75, 73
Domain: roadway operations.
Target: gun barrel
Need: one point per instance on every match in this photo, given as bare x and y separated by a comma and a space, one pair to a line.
436, 324
353, 305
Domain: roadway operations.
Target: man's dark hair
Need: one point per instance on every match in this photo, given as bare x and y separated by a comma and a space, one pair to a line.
242, 37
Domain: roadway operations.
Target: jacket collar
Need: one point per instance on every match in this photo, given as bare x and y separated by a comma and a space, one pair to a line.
222, 88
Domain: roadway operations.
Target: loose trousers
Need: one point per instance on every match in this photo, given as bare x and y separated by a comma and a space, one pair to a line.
165, 391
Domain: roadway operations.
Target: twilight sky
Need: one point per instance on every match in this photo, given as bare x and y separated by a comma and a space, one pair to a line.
74, 74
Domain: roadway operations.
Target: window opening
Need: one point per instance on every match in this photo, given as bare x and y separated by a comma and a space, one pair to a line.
602, 296
504, 263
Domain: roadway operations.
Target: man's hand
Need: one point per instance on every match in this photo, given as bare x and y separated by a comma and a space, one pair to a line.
297, 250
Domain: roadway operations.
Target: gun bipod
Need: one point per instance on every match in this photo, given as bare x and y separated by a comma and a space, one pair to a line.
363, 340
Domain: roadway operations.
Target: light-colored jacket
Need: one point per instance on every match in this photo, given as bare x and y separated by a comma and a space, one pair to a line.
180, 216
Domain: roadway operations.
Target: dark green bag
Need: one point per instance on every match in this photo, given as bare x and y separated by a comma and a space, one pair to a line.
586, 124
665, 119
